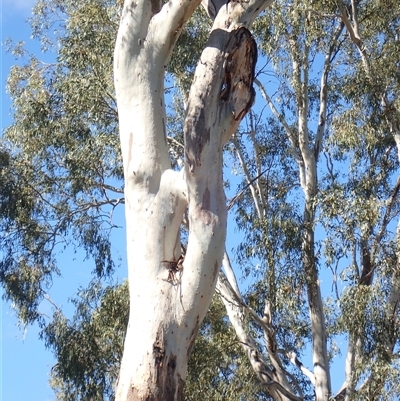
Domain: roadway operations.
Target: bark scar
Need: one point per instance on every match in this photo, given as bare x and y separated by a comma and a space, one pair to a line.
199, 135
239, 72
158, 349
206, 199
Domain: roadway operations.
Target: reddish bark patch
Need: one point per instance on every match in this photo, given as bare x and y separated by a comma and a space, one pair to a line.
205, 216
206, 199
155, 6
198, 134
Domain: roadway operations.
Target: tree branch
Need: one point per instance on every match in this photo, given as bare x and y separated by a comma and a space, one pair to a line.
289, 132
323, 94
258, 163
230, 275
243, 190
354, 34
267, 376
296, 362
250, 182
168, 24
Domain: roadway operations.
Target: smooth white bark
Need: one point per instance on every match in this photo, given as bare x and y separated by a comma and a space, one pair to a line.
168, 300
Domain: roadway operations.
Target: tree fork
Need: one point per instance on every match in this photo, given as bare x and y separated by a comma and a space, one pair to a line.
166, 310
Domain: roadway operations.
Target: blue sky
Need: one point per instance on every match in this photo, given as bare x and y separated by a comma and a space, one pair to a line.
24, 361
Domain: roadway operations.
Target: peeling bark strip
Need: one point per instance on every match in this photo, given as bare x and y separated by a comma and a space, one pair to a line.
222, 89
165, 367
237, 88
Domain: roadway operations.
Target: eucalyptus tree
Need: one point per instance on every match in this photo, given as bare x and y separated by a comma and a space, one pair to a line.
170, 291
372, 45
320, 105
294, 40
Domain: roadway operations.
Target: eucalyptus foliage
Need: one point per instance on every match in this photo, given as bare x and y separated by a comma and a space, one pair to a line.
356, 207
64, 153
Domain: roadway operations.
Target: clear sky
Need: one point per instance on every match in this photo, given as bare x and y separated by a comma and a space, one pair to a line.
24, 361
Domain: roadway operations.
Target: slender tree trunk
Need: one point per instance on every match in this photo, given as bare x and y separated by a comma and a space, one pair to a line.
306, 157
309, 183
320, 352
393, 300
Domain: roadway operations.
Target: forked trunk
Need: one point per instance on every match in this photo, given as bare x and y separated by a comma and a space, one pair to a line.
170, 292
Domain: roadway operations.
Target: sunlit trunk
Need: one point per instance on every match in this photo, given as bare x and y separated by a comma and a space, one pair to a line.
169, 291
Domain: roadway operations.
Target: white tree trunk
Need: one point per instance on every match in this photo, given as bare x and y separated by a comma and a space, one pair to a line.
169, 296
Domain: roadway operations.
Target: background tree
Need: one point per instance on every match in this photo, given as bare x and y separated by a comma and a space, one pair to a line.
299, 94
